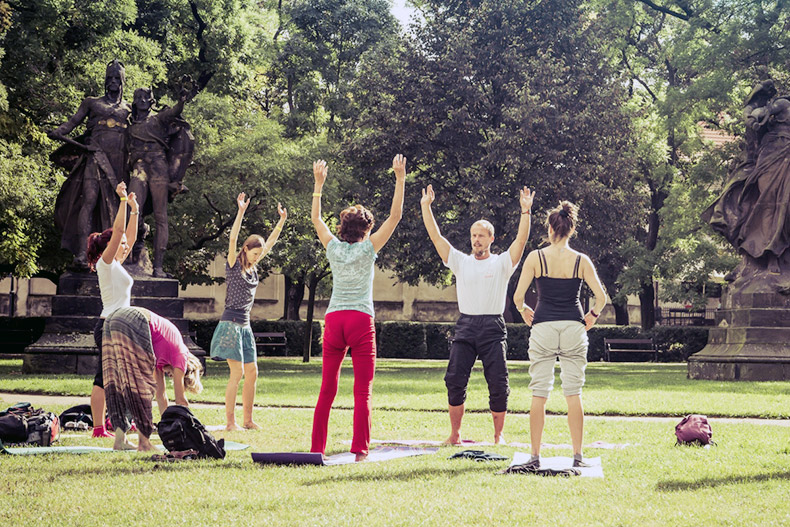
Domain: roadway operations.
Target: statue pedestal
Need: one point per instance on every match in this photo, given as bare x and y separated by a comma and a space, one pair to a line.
67, 345
751, 340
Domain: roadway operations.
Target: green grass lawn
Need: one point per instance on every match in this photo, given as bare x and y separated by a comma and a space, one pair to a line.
650, 389
742, 481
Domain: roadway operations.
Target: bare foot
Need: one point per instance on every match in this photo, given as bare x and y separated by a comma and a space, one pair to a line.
146, 447
360, 457
252, 425
233, 427
500, 440
123, 444
454, 440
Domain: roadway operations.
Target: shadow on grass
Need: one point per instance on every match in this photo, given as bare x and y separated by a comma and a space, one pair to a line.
680, 486
407, 474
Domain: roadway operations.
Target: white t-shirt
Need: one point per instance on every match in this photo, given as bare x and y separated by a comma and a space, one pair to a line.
115, 286
481, 284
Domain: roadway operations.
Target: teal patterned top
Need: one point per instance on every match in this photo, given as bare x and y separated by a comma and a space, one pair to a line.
352, 275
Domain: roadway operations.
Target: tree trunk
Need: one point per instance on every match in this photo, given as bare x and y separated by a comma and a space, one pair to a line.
295, 296
621, 313
308, 330
647, 305
286, 302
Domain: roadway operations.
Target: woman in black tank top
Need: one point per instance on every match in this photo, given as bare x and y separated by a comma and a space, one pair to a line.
558, 324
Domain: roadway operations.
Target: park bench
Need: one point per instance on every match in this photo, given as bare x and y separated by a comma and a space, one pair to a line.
271, 339
643, 346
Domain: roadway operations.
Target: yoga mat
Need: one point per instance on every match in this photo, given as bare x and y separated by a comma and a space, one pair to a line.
34, 450
468, 442
559, 463
345, 458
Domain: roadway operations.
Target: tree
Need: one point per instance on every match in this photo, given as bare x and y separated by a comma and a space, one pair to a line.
487, 97
688, 62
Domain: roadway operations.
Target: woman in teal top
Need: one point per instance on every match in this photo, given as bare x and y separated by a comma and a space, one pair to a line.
348, 323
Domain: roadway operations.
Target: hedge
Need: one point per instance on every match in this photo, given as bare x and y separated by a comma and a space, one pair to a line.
293, 329
432, 340
412, 340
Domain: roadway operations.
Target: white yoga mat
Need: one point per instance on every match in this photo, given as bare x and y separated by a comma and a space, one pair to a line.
595, 470
468, 442
380, 453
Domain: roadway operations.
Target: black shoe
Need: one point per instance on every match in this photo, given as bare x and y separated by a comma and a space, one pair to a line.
578, 463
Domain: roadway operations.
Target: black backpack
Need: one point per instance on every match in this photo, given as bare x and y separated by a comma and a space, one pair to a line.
180, 430
22, 423
77, 417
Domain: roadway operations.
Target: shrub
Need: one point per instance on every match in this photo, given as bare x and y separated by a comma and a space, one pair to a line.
402, 340
293, 329
16, 333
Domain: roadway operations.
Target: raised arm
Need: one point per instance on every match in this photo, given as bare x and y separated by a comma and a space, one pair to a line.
440, 242
131, 227
272, 239
118, 225
384, 233
517, 247
524, 281
234, 231
319, 173
590, 276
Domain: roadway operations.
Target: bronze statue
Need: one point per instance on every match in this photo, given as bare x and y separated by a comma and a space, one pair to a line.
752, 211
160, 149
87, 202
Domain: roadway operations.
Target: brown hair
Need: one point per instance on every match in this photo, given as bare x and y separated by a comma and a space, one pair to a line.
253, 241
97, 242
563, 219
355, 222
192, 374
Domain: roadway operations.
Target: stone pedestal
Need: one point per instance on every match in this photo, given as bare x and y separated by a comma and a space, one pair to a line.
751, 340
67, 345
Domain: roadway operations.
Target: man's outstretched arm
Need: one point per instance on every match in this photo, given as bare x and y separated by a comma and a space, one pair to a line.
440, 242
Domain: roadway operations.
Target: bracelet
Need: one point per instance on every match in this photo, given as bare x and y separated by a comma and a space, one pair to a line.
522, 309
316, 194
133, 213
123, 198
277, 229
594, 314
528, 212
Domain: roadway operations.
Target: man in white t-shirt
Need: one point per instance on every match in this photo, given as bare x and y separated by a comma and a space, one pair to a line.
481, 280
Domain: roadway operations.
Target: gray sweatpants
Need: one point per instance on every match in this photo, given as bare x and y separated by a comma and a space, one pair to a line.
548, 341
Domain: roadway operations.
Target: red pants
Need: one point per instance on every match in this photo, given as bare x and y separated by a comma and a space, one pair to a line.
344, 330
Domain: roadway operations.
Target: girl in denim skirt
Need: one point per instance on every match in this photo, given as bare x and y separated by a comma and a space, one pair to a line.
233, 339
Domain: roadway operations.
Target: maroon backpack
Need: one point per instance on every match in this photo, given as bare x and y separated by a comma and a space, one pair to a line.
694, 428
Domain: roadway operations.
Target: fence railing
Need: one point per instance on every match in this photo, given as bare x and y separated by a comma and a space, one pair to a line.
679, 316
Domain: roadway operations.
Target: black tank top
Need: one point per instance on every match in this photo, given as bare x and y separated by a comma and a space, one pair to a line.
558, 298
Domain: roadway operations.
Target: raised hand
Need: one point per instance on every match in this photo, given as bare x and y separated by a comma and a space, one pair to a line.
319, 172
241, 203
427, 196
525, 199
132, 200
282, 211
120, 189
399, 166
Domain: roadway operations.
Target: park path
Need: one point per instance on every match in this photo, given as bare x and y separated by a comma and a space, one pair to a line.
7, 399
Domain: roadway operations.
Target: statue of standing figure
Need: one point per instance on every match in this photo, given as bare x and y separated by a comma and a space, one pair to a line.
160, 149
87, 202
150, 152
752, 211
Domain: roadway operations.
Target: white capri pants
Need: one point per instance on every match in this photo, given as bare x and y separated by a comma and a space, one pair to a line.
563, 339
